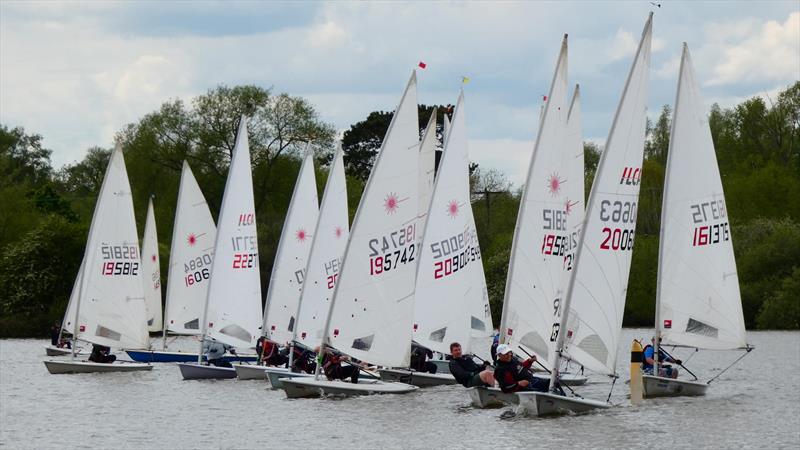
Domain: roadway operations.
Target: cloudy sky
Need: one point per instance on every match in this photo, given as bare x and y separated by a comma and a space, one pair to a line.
76, 72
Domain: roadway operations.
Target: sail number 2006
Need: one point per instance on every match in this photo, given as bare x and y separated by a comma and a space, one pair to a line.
614, 238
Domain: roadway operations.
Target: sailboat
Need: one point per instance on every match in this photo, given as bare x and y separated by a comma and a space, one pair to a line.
322, 272
372, 310
52, 350
451, 300
698, 303
543, 249
288, 272
232, 312
109, 307
587, 318
151, 271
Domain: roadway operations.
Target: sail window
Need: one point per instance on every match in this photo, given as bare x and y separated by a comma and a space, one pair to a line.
291, 324
697, 327
535, 342
236, 331
363, 343
595, 347
107, 333
477, 324
192, 324
438, 335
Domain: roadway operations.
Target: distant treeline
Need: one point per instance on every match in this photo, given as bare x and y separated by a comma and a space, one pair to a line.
45, 212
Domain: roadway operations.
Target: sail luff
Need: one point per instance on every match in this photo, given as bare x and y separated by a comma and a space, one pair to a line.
151, 271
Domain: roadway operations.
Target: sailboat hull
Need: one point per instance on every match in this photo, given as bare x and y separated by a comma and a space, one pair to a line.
546, 404
308, 387
565, 379
194, 371
668, 387
442, 366
56, 351
250, 372
161, 356
420, 379
276, 374
483, 397
66, 367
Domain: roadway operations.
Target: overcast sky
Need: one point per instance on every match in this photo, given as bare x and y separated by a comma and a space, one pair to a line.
78, 72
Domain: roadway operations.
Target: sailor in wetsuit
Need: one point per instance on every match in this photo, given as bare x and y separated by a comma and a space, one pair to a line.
101, 354
466, 372
215, 351
419, 359
334, 370
513, 376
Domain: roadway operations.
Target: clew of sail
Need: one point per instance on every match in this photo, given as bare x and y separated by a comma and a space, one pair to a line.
110, 304
595, 297
698, 287
451, 302
191, 255
325, 257
291, 259
151, 271
538, 254
233, 306
373, 305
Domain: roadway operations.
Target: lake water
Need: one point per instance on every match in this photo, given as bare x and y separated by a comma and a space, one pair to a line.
756, 404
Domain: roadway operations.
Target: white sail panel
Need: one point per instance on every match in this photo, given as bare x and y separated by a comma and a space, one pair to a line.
698, 289
451, 301
291, 258
427, 168
69, 317
373, 307
445, 126
233, 307
191, 254
325, 258
110, 305
595, 299
151, 271
541, 242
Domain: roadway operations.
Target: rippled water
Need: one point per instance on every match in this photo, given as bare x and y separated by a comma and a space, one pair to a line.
755, 404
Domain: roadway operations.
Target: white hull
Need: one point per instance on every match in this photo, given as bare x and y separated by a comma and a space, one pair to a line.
250, 372
63, 367
565, 379
483, 397
56, 351
546, 404
667, 387
310, 388
192, 371
420, 379
275, 374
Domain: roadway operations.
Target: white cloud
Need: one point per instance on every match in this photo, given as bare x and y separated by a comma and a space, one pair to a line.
751, 53
510, 156
327, 35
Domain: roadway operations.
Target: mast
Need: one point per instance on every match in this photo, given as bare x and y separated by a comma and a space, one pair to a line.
564, 303
75, 326
172, 251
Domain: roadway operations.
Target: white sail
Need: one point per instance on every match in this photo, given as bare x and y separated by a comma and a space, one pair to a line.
190, 258
698, 287
542, 243
69, 317
373, 306
291, 258
151, 271
445, 126
451, 301
233, 307
427, 169
325, 259
110, 304
590, 327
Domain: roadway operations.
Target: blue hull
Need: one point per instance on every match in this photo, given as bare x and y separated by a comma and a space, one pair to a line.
154, 356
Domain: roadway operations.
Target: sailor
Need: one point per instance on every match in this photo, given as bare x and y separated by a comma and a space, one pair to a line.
303, 360
466, 372
419, 359
270, 352
495, 343
665, 371
215, 351
55, 332
101, 354
513, 376
334, 370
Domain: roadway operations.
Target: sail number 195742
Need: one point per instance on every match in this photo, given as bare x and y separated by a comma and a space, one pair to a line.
390, 251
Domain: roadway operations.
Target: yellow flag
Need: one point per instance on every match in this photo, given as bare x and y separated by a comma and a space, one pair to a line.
464, 80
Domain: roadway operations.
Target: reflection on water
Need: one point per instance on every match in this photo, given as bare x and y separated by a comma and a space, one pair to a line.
754, 404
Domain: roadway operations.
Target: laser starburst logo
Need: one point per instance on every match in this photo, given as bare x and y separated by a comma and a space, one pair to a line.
191, 240
338, 232
452, 209
554, 183
301, 235
391, 203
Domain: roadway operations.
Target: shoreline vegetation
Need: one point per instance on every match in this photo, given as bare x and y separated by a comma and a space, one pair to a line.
45, 211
